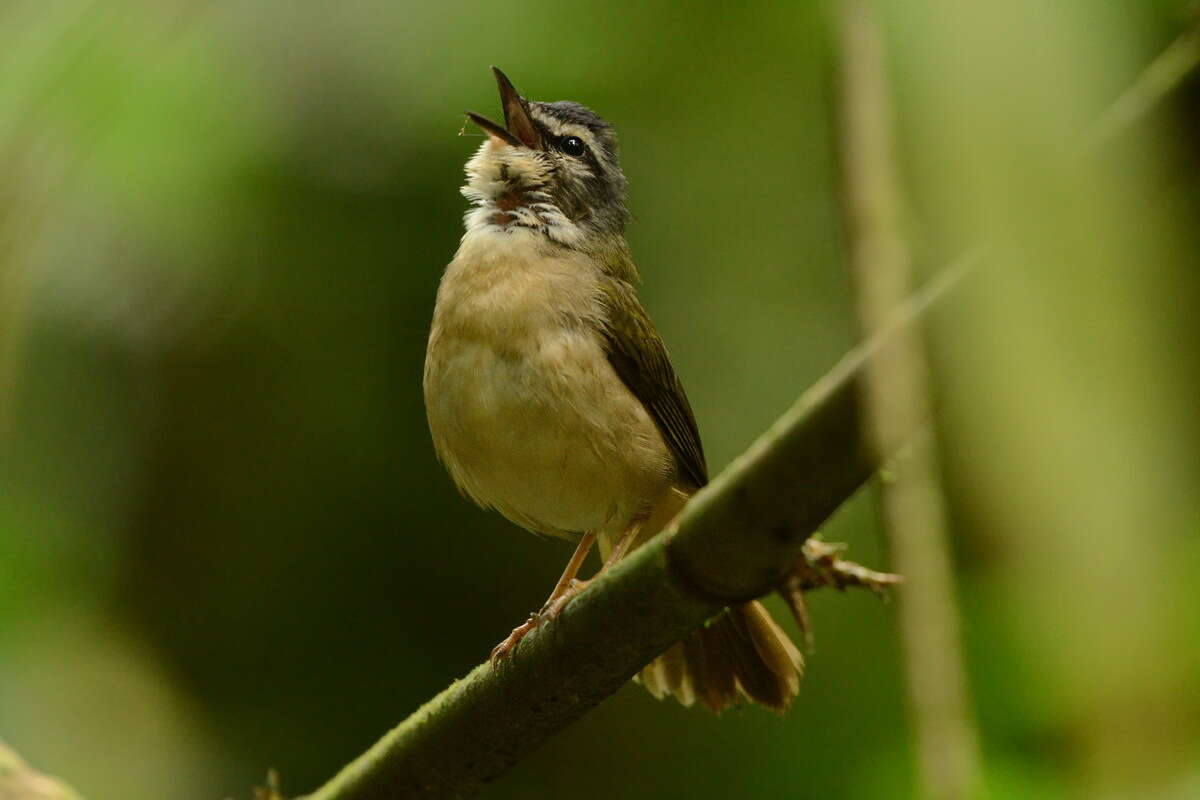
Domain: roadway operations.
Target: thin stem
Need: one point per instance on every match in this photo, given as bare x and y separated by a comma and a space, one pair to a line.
1156, 81
895, 401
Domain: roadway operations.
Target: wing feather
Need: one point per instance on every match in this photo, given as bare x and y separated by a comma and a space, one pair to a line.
639, 356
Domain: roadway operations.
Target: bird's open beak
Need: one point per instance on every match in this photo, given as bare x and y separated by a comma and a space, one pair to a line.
519, 130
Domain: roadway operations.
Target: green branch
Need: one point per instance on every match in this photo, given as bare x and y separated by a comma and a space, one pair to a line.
737, 539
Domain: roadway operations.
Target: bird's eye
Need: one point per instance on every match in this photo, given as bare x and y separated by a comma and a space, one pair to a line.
573, 146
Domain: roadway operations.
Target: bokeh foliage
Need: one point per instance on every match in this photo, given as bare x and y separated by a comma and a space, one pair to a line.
225, 543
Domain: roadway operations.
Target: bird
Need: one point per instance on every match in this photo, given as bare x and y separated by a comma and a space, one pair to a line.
550, 395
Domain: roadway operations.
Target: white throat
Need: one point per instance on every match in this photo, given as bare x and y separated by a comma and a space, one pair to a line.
507, 187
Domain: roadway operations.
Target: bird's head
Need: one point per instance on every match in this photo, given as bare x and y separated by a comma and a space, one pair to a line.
551, 168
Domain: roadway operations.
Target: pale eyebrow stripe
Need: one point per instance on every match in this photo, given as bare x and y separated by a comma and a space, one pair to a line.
560, 127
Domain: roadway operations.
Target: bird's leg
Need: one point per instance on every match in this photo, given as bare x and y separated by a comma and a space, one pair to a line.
575, 586
565, 584
620, 548
551, 607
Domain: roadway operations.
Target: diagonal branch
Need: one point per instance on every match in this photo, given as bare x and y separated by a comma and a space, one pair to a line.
736, 540
1163, 75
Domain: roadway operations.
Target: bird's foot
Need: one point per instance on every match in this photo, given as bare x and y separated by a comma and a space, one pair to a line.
501, 651
548, 612
555, 605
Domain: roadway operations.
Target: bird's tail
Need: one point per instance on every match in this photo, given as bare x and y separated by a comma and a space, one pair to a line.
742, 652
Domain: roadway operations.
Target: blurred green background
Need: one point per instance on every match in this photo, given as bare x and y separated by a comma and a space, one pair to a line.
226, 545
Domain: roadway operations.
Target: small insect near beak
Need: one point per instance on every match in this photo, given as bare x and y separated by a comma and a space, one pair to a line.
519, 130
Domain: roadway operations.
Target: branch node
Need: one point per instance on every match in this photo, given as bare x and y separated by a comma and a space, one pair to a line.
821, 565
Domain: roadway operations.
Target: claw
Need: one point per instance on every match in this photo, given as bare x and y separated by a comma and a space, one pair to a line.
501, 651
550, 611
567, 587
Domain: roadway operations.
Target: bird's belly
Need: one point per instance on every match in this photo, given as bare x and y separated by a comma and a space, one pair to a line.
551, 437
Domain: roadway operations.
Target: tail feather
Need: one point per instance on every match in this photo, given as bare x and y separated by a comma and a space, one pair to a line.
740, 653
743, 652
668, 675
710, 660
775, 686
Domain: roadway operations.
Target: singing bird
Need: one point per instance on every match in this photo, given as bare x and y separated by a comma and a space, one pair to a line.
550, 394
